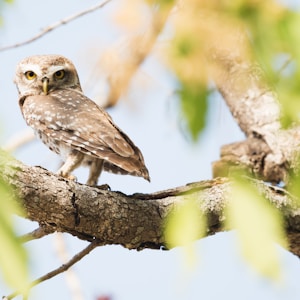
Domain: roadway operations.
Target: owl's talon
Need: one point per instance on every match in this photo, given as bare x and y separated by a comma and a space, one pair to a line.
104, 187
67, 176
72, 177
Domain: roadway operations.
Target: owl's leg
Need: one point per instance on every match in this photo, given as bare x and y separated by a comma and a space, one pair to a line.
95, 171
73, 161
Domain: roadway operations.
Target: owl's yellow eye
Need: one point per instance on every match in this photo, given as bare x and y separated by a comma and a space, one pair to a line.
30, 75
59, 74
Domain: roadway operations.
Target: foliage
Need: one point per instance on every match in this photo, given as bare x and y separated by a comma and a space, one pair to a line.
13, 258
201, 26
184, 225
259, 228
193, 103
273, 38
2, 5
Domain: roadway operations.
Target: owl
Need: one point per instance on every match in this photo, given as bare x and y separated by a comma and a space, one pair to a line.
70, 124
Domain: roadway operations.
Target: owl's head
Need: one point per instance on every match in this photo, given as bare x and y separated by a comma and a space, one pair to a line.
42, 74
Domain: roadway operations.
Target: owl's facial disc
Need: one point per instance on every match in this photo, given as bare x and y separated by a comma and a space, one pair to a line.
32, 71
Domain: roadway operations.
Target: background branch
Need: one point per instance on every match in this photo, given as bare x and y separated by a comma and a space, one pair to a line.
61, 269
55, 26
122, 61
269, 152
72, 280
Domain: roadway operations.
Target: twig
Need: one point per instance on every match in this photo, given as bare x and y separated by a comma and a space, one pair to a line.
61, 269
56, 25
37, 233
18, 140
121, 68
284, 65
71, 277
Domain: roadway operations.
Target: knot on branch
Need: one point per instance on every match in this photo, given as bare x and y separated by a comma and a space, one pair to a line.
254, 156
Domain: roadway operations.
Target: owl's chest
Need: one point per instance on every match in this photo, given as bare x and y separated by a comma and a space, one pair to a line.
37, 112
60, 148
50, 117
53, 144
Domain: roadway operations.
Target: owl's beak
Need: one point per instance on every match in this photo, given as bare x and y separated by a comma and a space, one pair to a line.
45, 82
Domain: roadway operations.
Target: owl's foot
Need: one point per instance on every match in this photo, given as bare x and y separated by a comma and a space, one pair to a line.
73, 161
102, 186
67, 176
93, 183
71, 177
95, 171
105, 187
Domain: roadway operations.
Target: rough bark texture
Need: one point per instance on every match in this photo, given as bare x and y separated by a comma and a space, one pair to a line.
269, 152
134, 221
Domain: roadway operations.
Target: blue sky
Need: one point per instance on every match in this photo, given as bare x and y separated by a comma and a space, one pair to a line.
149, 115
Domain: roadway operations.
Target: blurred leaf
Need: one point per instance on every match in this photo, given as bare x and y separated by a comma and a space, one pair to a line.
187, 59
166, 2
193, 100
2, 4
294, 183
259, 228
184, 225
13, 258
273, 30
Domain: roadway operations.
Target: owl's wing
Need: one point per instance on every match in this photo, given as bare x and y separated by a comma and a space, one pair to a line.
72, 119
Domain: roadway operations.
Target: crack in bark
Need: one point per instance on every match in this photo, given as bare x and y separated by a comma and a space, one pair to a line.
76, 212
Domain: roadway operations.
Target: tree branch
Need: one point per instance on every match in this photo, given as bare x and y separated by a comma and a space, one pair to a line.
37, 233
269, 152
121, 63
72, 280
61, 269
55, 26
133, 221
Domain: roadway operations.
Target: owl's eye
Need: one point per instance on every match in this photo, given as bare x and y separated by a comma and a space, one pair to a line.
30, 75
59, 74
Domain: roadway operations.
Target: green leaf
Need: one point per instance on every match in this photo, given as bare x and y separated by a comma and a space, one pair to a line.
13, 257
259, 228
166, 2
193, 101
184, 225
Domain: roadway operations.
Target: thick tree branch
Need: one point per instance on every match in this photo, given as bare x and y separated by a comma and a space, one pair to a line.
134, 221
269, 152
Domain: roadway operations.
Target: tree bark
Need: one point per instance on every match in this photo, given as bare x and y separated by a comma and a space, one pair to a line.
134, 221
269, 151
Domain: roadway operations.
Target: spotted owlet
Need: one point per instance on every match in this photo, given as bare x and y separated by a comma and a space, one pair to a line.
69, 123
